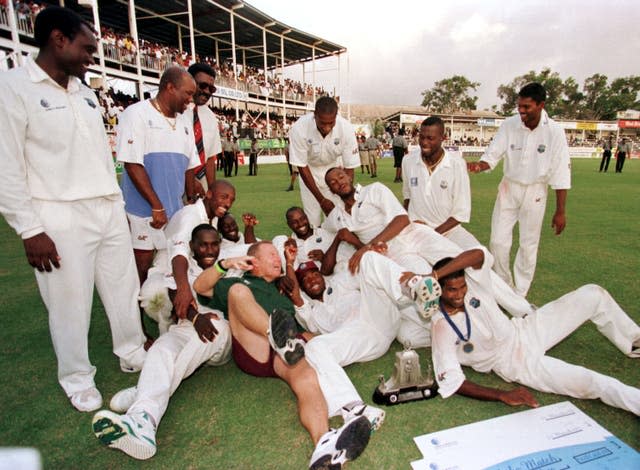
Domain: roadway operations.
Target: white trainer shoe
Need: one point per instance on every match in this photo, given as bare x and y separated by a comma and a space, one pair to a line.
87, 400
135, 435
374, 415
425, 292
282, 337
339, 446
123, 400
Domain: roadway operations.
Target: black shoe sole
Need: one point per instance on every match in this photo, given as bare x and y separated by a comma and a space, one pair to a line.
284, 328
353, 440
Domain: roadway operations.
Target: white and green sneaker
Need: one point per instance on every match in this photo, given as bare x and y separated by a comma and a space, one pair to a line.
135, 435
338, 446
425, 292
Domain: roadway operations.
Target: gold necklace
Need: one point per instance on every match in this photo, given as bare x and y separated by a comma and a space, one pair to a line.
154, 103
432, 167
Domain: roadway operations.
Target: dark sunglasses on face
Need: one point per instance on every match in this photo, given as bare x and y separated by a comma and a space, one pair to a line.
205, 86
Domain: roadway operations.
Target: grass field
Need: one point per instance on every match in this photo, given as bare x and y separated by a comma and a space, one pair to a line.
221, 418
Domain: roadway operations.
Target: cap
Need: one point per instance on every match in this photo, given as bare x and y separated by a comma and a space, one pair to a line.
304, 268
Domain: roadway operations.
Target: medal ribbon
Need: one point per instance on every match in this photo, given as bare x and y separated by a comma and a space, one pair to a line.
453, 325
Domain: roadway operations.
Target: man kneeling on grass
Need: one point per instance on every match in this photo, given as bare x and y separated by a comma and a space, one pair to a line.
471, 330
266, 343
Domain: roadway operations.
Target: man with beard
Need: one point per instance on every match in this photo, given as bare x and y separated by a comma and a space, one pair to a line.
206, 131
58, 191
201, 336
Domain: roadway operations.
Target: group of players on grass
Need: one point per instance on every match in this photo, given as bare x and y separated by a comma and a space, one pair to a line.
303, 306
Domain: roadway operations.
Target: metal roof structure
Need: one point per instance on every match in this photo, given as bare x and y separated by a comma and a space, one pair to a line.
215, 33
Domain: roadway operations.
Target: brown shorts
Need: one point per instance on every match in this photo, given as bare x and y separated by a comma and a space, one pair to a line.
249, 365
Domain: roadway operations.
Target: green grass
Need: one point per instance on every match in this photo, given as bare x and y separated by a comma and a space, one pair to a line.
221, 418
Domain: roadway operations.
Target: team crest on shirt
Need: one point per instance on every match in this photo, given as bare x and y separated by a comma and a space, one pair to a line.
186, 131
309, 141
474, 302
336, 141
444, 184
413, 181
90, 102
130, 141
44, 103
150, 123
542, 148
329, 291
319, 240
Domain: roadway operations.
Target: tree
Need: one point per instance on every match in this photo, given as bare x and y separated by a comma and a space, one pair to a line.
551, 82
450, 95
598, 99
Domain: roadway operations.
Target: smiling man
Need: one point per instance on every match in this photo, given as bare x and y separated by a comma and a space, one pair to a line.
58, 191
206, 129
536, 156
156, 145
202, 336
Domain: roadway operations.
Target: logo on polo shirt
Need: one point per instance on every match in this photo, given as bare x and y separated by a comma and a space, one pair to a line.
413, 181
90, 102
542, 148
474, 302
444, 184
142, 237
309, 141
44, 103
336, 141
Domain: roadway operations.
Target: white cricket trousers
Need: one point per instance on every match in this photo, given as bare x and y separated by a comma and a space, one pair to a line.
526, 205
311, 206
555, 321
93, 241
173, 357
365, 338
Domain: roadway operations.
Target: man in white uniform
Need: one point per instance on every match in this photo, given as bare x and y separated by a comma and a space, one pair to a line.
471, 330
536, 156
312, 243
202, 336
206, 130
437, 192
320, 141
153, 295
58, 190
156, 144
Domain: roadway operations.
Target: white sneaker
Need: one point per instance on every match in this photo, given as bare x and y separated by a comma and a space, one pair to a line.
425, 292
135, 435
374, 415
123, 400
282, 337
339, 446
87, 400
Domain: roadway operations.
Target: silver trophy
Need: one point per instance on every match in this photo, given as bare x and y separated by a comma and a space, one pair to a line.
407, 383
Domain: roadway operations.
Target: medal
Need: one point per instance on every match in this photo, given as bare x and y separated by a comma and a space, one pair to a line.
467, 347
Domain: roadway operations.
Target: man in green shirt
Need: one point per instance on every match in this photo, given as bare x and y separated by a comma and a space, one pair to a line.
266, 343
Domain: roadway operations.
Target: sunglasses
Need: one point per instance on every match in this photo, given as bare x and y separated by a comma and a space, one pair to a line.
205, 86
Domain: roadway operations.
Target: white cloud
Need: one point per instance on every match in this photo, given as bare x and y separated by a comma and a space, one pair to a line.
475, 28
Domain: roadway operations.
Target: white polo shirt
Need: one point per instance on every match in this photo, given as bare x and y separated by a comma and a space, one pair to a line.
53, 146
493, 335
145, 137
533, 156
308, 148
433, 198
210, 129
178, 230
374, 208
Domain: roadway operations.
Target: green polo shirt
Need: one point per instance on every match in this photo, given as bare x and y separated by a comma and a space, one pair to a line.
265, 293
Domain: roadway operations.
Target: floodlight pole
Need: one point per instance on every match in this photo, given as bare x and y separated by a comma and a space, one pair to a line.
133, 29
313, 68
264, 59
96, 24
284, 98
233, 55
192, 41
13, 25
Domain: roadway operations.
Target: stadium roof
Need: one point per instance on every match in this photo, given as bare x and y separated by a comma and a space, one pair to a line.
158, 21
